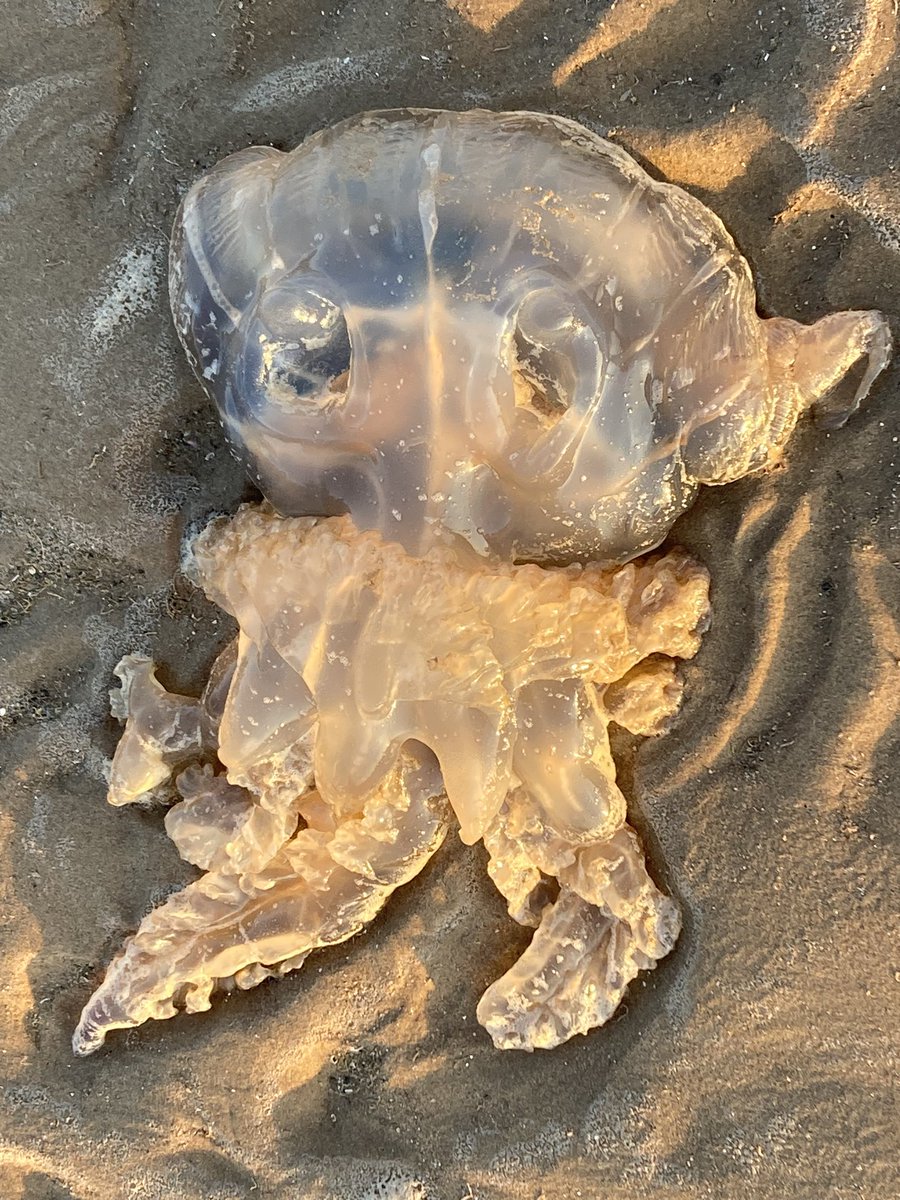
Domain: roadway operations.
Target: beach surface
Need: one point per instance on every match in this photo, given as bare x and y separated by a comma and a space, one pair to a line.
760, 1059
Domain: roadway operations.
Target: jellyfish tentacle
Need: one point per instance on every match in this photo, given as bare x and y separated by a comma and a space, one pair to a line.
565, 820
164, 731
609, 922
222, 821
320, 889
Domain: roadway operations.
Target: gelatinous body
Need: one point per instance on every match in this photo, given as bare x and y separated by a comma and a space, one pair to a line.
496, 324
446, 344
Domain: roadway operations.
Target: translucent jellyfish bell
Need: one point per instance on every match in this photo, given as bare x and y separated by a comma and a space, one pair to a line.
492, 324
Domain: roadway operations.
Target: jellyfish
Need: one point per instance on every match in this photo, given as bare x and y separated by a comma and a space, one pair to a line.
477, 365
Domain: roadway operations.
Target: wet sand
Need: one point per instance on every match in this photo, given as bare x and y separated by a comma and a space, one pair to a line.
760, 1059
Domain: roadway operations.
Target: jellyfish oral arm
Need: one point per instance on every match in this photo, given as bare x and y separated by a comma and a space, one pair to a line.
322, 887
359, 713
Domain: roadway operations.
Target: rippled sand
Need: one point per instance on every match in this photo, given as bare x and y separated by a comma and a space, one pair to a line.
760, 1058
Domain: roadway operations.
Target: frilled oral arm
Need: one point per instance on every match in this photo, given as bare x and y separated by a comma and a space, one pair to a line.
370, 696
